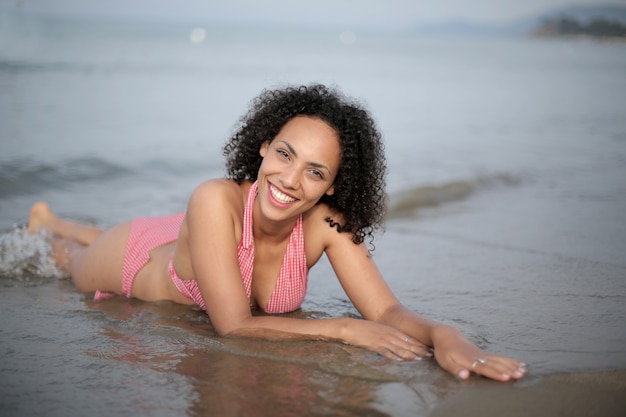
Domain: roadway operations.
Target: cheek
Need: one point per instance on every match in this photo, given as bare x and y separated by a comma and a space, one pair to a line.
317, 189
267, 162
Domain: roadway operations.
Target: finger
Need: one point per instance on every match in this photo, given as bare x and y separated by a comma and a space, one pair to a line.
481, 366
415, 347
456, 369
402, 353
390, 353
507, 366
402, 349
491, 371
512, 367
498, 368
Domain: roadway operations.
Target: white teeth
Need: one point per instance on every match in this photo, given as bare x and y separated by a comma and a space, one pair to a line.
283, 198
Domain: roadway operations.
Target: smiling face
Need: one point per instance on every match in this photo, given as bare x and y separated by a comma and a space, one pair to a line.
299, 166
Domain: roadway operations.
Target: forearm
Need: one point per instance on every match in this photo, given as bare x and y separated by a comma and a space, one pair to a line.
412, 324
385, 339
270, 327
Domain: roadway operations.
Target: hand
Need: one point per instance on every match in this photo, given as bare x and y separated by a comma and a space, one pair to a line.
460, 357
383, 339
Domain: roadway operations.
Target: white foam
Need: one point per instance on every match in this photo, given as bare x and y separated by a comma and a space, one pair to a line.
27, 257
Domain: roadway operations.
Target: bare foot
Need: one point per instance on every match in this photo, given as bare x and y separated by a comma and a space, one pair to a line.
40, 216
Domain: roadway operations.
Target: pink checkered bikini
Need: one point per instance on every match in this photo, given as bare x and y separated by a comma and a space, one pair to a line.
148, 233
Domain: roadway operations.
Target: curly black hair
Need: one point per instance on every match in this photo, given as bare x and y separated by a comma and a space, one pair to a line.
360, 183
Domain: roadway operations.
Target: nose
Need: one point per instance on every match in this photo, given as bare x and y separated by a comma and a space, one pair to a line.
290, 177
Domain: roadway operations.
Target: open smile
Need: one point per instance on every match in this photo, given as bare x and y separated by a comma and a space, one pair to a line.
280, 196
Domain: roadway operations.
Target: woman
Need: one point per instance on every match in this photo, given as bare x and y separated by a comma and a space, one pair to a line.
306, 177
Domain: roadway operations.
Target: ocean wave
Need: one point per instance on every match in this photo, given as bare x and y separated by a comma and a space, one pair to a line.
406, 202
26, 176
30, 66
27, 257
124, 66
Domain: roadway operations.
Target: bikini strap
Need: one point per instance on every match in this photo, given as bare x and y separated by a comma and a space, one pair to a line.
245, 251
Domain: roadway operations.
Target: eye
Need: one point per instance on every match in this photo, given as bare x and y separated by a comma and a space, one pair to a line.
282, 153
317, 173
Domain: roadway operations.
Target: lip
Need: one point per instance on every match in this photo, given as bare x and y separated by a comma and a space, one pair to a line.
277, 202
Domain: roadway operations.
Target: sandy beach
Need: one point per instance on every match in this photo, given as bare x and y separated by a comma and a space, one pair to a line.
184, 370
585, 394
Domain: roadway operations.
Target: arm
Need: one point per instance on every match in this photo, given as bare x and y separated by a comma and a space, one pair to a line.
372, 297
214, 227
214, 223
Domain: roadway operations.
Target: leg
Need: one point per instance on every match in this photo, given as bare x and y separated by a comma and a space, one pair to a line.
42, 217
97, 266
64, 250
92, 257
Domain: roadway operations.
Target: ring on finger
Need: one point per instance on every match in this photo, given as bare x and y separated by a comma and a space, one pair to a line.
477, 361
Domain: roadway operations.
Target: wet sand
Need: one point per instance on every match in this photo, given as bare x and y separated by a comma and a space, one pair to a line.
133, 358
585, 394
514, 286
73, 356
560, 312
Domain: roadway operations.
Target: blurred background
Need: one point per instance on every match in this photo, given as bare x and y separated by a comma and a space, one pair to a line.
505, 130
96, 93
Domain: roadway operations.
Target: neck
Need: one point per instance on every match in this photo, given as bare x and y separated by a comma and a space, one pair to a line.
270, 230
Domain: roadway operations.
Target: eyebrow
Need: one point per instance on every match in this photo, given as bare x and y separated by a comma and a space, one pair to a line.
314, 164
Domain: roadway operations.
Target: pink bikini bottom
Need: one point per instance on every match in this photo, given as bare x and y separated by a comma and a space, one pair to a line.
146, 234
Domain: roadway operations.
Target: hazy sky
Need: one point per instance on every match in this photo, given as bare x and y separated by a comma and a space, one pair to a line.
387, 13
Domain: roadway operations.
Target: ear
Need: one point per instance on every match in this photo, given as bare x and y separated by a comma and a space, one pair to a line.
331, 190
264, 146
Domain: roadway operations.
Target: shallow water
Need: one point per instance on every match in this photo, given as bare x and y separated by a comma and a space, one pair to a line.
507, 215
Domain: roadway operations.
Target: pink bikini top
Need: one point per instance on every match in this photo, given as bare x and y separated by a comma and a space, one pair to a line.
291, 284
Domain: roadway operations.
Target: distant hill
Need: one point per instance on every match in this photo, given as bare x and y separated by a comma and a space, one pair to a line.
522, 26
596, 27
460, 27
598, 22
586, 14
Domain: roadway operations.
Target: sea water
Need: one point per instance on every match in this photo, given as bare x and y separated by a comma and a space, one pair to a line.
507, 213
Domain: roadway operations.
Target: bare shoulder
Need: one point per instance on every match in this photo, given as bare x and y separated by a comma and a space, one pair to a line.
322, 235
320, 229
214, 210
218, 193
220, 188
220, 200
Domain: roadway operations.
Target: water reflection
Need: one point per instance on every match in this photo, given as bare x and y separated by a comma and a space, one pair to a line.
236, 376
